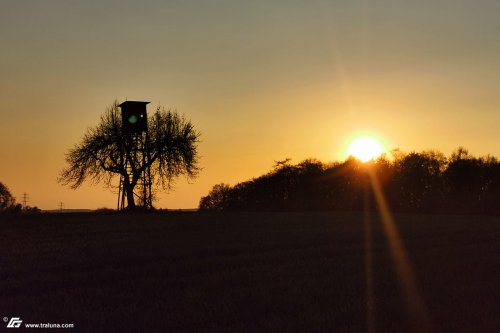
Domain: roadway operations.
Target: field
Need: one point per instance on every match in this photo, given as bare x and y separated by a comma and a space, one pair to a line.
247, 272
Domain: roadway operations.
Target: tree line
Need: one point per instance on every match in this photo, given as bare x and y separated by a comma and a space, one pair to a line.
424, 182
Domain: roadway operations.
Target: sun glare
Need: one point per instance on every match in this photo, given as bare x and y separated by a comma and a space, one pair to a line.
365, 148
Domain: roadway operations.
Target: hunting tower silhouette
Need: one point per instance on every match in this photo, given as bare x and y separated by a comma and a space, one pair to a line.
135, 132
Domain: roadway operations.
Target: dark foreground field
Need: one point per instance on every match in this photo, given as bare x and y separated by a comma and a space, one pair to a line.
245, 272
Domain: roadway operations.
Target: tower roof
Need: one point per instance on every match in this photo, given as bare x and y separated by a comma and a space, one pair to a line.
132, 103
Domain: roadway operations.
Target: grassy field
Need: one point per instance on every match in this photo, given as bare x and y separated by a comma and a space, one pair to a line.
246, 272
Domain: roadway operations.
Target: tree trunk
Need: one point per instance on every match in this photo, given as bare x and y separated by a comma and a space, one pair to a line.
129, 191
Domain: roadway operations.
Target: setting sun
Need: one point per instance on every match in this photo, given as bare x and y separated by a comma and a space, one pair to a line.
365, 148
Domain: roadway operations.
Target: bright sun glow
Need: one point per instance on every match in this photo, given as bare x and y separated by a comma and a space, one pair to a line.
365, 148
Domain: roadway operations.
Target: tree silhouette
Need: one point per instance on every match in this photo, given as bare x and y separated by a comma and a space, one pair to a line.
7, 200
105, 153
419, 180
466, 179
217, 199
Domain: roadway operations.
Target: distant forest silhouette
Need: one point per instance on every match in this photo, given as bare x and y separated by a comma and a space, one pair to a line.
423, 182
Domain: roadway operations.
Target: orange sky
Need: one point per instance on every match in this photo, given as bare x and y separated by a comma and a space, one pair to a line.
261, 80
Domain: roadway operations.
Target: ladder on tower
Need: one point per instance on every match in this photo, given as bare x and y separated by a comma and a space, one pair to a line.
143, 187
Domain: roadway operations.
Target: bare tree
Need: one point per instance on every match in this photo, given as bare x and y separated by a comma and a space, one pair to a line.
105, 153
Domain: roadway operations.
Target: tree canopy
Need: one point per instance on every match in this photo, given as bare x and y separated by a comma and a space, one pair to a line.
106, 153
414, 182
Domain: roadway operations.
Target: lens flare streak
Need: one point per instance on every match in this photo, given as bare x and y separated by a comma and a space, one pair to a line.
416, 305
370, 312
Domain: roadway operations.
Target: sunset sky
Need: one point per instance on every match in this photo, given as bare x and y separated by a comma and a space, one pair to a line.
261, 80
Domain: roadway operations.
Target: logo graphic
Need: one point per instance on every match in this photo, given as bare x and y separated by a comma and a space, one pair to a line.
14, 322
